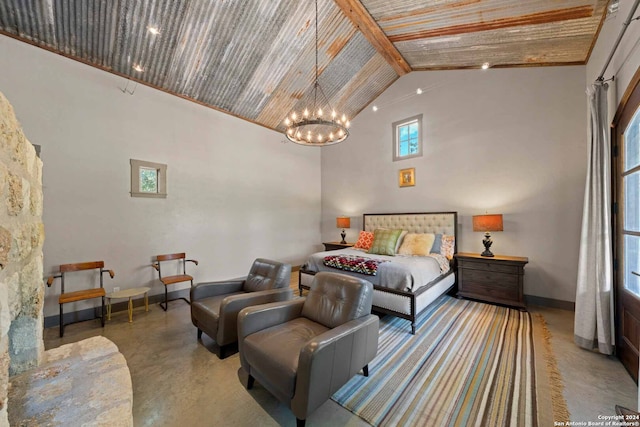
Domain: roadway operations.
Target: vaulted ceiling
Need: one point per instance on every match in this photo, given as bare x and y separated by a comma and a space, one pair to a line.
255, 58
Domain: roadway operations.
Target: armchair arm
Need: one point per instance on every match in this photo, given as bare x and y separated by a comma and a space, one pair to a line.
329, 360
111, 273
231, 306
191, 260
50, 279
211, 289
259, 317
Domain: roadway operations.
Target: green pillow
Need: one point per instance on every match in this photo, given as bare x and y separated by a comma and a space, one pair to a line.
384, 242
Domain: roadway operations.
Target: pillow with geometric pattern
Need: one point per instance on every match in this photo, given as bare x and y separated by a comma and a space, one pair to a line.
365, 240
447, 246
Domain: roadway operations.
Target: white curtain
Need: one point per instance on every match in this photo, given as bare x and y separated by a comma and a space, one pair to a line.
594, 324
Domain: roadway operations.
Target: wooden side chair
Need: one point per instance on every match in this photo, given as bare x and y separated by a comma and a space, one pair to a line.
83, 294
170, 280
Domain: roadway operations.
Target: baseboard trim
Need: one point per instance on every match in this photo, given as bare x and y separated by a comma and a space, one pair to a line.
93, 313
121, 305
549, 302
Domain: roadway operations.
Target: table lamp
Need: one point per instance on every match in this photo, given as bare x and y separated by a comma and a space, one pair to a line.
343, 222
487, 223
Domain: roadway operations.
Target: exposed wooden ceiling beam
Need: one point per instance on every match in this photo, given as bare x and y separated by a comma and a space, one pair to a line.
546, 17
361, 18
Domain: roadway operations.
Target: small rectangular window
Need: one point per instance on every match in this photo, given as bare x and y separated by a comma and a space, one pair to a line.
407, 138
148, 179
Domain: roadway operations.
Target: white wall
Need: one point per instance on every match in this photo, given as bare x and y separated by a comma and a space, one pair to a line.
510, 141
626, 60
236, 192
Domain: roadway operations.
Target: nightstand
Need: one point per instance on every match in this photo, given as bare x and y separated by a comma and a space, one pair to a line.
334, 246
496, 279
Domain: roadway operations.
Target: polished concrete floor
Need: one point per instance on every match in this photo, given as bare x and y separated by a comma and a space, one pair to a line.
593, 383
178, 381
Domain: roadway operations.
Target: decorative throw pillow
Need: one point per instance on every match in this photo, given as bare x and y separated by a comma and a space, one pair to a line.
437, 242
384, 242
400, 239
399, 242
417, 244
365, 239
446, 248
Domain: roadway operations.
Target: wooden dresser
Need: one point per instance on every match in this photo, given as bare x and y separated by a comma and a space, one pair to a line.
496, 279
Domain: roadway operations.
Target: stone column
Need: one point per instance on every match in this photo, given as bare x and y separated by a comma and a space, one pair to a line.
21, 239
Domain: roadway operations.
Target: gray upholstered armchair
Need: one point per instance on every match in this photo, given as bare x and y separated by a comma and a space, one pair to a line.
215, 305
302, 351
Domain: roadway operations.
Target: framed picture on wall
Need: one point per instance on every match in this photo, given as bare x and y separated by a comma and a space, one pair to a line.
407, 177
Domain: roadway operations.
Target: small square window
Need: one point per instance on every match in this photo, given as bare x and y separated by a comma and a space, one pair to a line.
148, 179
407, 138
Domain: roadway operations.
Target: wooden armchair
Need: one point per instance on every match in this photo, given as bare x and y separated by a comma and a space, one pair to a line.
170, 280
83, 294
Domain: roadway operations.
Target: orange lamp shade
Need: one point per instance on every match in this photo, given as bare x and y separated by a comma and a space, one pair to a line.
343, 222
487, 222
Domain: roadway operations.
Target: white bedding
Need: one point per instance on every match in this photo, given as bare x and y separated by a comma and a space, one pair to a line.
405, 273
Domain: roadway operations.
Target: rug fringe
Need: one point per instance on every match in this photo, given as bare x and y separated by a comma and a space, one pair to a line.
560, 409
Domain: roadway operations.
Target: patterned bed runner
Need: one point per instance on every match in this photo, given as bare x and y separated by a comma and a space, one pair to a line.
355, 264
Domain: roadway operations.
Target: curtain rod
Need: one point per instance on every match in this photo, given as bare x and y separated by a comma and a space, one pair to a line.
625, 25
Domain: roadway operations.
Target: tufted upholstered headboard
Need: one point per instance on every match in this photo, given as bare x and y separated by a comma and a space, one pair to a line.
424, 222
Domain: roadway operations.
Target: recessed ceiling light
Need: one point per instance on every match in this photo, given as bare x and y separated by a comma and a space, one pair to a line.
419, 91
138, 68
153, 30
375, 108
485, 65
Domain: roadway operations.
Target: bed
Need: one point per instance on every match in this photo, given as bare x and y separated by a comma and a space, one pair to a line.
397, 292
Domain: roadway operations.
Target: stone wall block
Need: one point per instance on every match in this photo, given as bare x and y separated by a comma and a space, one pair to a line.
32, 288
29, 157
5, 314
15, 199
14, 297
23, 346
5, 246
4, 132
21, 243
35, 168
19, 150
37, 235
4, 373
26, 194
35, 202
3, 177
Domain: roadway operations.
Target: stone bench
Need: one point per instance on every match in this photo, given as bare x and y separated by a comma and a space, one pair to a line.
83, 383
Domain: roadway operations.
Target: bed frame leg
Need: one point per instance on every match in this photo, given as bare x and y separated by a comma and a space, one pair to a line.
413, 328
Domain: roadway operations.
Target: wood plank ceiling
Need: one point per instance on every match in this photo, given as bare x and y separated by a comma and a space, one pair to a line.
255, 58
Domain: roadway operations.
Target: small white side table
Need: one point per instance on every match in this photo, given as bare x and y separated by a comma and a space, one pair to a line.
129, 293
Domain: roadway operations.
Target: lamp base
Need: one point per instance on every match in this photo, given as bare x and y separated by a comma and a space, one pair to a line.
343, 235
487, 245
487, 254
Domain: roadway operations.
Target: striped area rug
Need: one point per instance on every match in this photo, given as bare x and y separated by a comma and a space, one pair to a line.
468, 364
